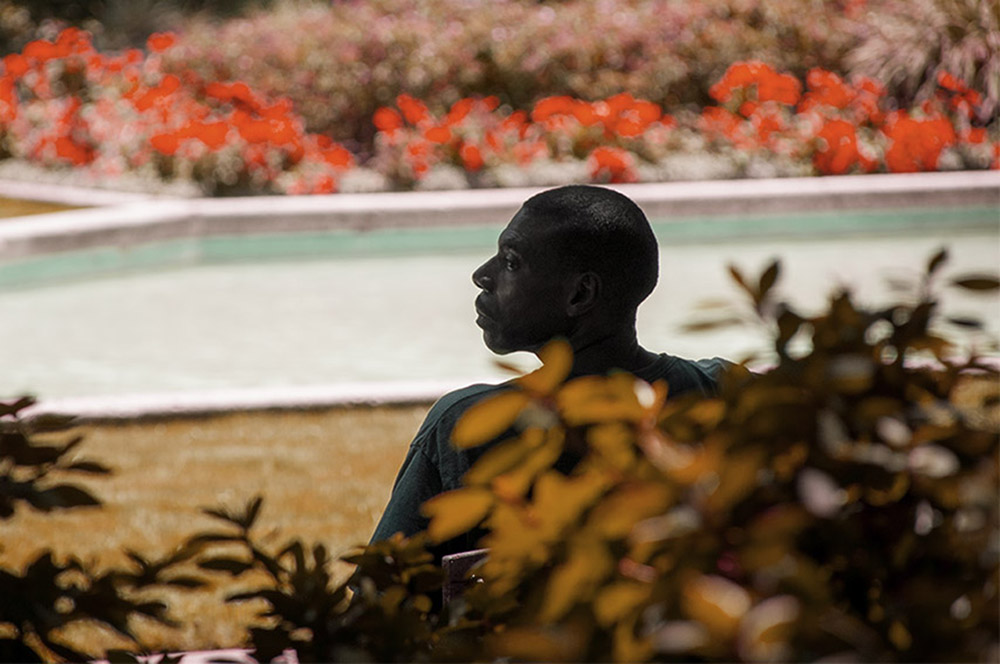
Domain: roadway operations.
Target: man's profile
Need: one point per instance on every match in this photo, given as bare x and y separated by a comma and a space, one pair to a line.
574, 263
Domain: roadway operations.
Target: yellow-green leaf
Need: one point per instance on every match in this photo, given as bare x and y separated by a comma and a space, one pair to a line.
616, 601
488, 419
503, 457
557, 360
628, 504
717, 603
515, 483
455, 512
766, 629
576, 579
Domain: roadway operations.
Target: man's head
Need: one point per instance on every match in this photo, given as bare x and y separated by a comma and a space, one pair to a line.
571, 256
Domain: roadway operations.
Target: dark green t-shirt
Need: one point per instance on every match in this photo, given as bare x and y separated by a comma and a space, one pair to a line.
433, 465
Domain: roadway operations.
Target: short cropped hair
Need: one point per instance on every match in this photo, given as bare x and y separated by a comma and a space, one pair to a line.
604, 231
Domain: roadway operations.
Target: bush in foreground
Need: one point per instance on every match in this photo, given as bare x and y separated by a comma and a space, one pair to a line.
54, 591
841, 505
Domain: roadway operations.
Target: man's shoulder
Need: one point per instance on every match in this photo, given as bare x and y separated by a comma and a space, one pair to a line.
450, 407
684, 375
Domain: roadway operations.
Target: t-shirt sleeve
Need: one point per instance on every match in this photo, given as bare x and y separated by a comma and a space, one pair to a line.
704, 375
418, 480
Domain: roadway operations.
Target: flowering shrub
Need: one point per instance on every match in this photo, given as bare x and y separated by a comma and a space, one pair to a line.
64, 104
349, 58
475, 134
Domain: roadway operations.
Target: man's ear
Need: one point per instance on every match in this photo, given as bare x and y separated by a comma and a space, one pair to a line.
585, 294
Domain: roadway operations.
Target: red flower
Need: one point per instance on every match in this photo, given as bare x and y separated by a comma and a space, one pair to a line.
949, 82
338, 156
757, 82
551, 106
325, 184
459, 110
413, 110
916, 145
471, 156
165, 143
974, 135
387, 120
238, 92
212, 134
16, 65
8, 99
838, 148
612, 165
825, 89
782, 88
161, 41
717, 121
439, 135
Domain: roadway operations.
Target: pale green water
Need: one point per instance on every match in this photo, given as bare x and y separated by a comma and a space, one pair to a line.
398, 318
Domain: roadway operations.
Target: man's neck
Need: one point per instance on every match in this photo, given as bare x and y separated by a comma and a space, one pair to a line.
600, 354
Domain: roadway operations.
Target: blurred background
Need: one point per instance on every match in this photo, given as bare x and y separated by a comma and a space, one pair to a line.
346, 96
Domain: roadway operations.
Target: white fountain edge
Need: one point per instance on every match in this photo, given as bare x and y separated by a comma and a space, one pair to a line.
133, 221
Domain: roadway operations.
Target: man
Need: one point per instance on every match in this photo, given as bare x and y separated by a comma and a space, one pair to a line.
574, 262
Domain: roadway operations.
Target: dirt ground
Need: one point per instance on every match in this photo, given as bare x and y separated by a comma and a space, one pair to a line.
325, 477
12, 207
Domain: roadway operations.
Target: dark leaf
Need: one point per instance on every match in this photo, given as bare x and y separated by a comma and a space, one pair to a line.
252, 511
212, 538
25, 453
977, 282
221, 513
185, 582
92, 467
156, 610
137, 558
937, 261
14, 650
116, 656
14, 407
973, 323
768, 278
63, 495
231, 565
298, 553
48, 422
737, 276
273, 567
67, 653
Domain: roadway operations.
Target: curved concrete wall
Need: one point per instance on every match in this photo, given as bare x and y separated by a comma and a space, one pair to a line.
137, 222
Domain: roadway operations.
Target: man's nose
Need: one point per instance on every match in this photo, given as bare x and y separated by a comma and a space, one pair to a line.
481, 277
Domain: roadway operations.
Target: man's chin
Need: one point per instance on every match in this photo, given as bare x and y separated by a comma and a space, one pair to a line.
496, 345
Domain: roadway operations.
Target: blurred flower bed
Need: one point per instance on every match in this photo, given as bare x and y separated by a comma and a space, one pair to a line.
388, 95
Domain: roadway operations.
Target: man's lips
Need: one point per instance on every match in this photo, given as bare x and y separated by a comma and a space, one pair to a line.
483, 312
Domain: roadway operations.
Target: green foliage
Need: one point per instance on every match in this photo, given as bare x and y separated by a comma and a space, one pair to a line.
50, 593
27, 467
386, 617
